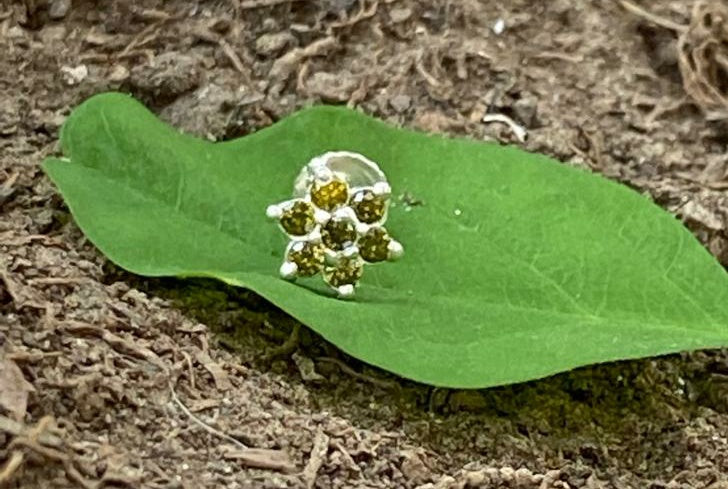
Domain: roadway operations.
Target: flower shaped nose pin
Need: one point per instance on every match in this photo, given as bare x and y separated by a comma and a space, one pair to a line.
335, 221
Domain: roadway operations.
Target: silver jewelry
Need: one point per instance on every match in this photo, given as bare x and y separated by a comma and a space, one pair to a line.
335, 221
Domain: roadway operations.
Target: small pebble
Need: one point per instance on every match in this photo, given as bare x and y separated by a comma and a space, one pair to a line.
75, 75
400, 103
119, 73
397, 15
332, 87
525, 110
268, 44
59, 9
15, 32
499, 27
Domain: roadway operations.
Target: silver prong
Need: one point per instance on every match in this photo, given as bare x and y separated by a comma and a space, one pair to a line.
288, 270
321, 216
314, 236
274, 211
320, 172
346, 213
350, 251
345, 291
362, 228
331, 256
295, 246
382, 188
395, 249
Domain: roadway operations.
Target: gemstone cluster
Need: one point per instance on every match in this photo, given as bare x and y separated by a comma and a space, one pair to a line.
335, 229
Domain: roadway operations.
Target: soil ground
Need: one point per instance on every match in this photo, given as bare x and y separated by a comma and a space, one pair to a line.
133, 382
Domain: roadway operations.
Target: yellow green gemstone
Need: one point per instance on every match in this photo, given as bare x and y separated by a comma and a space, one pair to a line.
337, 234
368, 206
298, 219
374, 245
347, 272
308, 257
330, 195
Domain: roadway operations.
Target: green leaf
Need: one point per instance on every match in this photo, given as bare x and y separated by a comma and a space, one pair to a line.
516, 266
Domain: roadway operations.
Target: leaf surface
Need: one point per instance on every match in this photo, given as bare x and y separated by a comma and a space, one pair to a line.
516, 266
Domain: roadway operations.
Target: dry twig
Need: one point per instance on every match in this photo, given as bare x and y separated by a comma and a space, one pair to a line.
702, 54
665, 108
233, 57
655, 19
59, 280
16, 460
10, 286
219, 375
261, 458
251, 4
147, 35
346, 455
364, 13
118, 343
14, 289
28, 357
38, 441
318, 455
420, 66
202, 424
703, 58
190, 368
56, 456
518, 130
350, 371
284, 66
288, 346
8, 240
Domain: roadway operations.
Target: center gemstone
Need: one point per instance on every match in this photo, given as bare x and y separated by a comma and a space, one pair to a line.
337, 234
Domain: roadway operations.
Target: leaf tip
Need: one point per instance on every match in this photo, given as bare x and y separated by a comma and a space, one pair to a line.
91, 104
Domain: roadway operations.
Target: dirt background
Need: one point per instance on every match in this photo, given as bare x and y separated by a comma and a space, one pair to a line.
112, 380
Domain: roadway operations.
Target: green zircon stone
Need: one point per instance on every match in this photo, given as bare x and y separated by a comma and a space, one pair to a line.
337, 234
308, 257
368, 206
374, 245
298, 219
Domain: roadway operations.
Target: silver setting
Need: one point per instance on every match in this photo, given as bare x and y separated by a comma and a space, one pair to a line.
346, 291
274, 211
395, 249
288, 270
353, 189
356, 169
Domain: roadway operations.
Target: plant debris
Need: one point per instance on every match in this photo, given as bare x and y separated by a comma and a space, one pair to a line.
14, 389
703, 56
